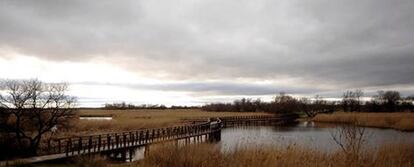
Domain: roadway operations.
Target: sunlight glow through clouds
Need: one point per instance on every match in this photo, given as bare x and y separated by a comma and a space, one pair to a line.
24, 67
97, 95
50, 71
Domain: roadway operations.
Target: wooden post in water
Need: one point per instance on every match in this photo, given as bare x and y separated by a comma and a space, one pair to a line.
146, 151
130, 154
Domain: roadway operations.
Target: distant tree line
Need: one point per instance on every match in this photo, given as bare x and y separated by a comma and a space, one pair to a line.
383, 101
124, 106
282, 103
352, 101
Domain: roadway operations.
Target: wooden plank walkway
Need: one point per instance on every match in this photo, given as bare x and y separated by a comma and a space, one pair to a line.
73, 146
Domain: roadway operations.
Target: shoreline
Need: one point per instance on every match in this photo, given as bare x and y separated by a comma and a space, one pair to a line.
402, 121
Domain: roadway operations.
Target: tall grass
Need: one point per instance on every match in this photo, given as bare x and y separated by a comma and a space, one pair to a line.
206, 155
123, 120
398, 120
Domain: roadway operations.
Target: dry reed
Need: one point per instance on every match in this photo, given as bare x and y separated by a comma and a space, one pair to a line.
205, 155
133, 119
399, 120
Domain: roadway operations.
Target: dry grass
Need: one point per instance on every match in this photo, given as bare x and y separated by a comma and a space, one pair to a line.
399, 120
206, 155
124, 120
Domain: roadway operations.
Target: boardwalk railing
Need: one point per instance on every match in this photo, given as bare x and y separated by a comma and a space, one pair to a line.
259, 119
112, 141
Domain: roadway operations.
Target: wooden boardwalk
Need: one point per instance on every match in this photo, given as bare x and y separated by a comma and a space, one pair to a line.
105, 143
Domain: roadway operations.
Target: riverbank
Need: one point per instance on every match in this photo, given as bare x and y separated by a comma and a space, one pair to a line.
399, 120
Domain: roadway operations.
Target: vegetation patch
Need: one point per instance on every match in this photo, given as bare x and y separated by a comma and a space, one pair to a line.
398, 120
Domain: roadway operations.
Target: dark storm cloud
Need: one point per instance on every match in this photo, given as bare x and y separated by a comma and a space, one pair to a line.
347, 44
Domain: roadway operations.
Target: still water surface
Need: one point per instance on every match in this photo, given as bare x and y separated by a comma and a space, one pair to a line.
311, 135
96, 118
308, 134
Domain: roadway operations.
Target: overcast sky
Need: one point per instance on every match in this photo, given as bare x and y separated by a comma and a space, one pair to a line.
192, 52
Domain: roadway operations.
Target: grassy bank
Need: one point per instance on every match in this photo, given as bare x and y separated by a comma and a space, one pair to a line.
124, 120
210, 156
399, 120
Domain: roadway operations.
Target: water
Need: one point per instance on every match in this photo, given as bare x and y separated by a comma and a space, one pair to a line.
98, 118
311, 135
308, 134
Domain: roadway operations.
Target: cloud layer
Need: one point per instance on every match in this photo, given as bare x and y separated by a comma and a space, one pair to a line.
308, 45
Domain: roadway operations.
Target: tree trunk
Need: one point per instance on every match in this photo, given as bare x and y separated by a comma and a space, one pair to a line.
33, 147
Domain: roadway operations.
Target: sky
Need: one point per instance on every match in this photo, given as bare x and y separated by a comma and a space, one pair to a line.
192, 52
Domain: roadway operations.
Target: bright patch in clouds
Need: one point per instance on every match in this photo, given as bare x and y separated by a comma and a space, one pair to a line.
20, 67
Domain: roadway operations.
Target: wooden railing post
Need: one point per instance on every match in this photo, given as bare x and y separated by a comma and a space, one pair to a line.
48, 146
168, 133
136, 137
131, 139
152, 135
163, 134
181, 131
146, 136
90, 144
79, 145
125, 138
158, 134
59, 149
99, 143
68, 146
117, 140
108, 142
140, 137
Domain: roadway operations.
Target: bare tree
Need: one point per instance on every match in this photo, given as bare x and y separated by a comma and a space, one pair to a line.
31, 109
304, 105
351, 100
350, 138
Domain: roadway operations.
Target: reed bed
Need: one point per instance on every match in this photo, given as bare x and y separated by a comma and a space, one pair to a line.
133, 119
207, 155
399, 120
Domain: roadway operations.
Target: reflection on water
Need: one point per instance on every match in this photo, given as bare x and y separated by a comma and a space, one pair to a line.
95, 118
139, 154
308, 134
